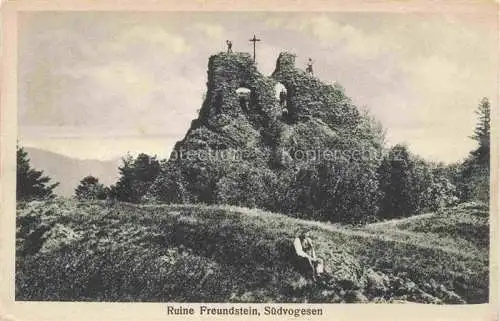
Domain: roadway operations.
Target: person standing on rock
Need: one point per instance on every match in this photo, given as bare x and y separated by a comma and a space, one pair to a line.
309, 68
307, 262
229, 46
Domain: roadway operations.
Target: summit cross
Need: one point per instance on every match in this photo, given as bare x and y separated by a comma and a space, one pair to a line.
254, 40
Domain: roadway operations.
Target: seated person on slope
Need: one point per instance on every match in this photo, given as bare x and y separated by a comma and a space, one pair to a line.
307, 261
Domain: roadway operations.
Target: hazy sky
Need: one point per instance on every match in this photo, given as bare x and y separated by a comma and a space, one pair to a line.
96, 85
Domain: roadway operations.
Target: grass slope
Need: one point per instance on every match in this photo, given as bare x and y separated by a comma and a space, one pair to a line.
97, 252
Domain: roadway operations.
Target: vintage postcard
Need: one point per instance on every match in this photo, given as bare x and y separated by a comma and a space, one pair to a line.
249, 161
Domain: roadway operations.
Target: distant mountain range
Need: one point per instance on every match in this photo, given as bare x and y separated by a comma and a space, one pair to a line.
69, 171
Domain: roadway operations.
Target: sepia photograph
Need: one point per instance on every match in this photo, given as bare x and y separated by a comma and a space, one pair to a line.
257, 157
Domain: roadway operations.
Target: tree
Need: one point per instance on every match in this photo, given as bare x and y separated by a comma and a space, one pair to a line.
396, 183
476, 168
90, 189
481, 155
411, 185
31, 183
136, 177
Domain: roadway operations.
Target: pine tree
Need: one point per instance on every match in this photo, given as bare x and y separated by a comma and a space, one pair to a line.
397, 183
31, 183
136, 176
476, 168
90, 189
481, 155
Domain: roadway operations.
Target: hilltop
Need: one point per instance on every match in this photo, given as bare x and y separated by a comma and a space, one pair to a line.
197, 253
258, 151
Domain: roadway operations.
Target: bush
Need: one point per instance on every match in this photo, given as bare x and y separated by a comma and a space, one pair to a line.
136, 177
90, 189
410, 185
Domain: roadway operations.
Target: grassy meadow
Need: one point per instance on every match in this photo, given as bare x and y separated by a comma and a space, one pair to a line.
96, 251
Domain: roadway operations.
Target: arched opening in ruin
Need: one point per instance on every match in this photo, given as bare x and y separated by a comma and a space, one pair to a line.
278, 89
244, 97
282, 96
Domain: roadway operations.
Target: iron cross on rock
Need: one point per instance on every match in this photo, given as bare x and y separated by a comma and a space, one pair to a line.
254, 40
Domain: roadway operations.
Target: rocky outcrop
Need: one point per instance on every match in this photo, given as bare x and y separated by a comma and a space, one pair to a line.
253, 150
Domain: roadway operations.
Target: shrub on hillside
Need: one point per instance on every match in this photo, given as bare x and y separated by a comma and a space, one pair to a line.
337, 191
410, 185
34, 222
247, 186
136, 177
90, 189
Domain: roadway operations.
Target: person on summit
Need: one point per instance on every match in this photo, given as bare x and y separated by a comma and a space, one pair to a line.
309, 68
307, 261
229, 46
